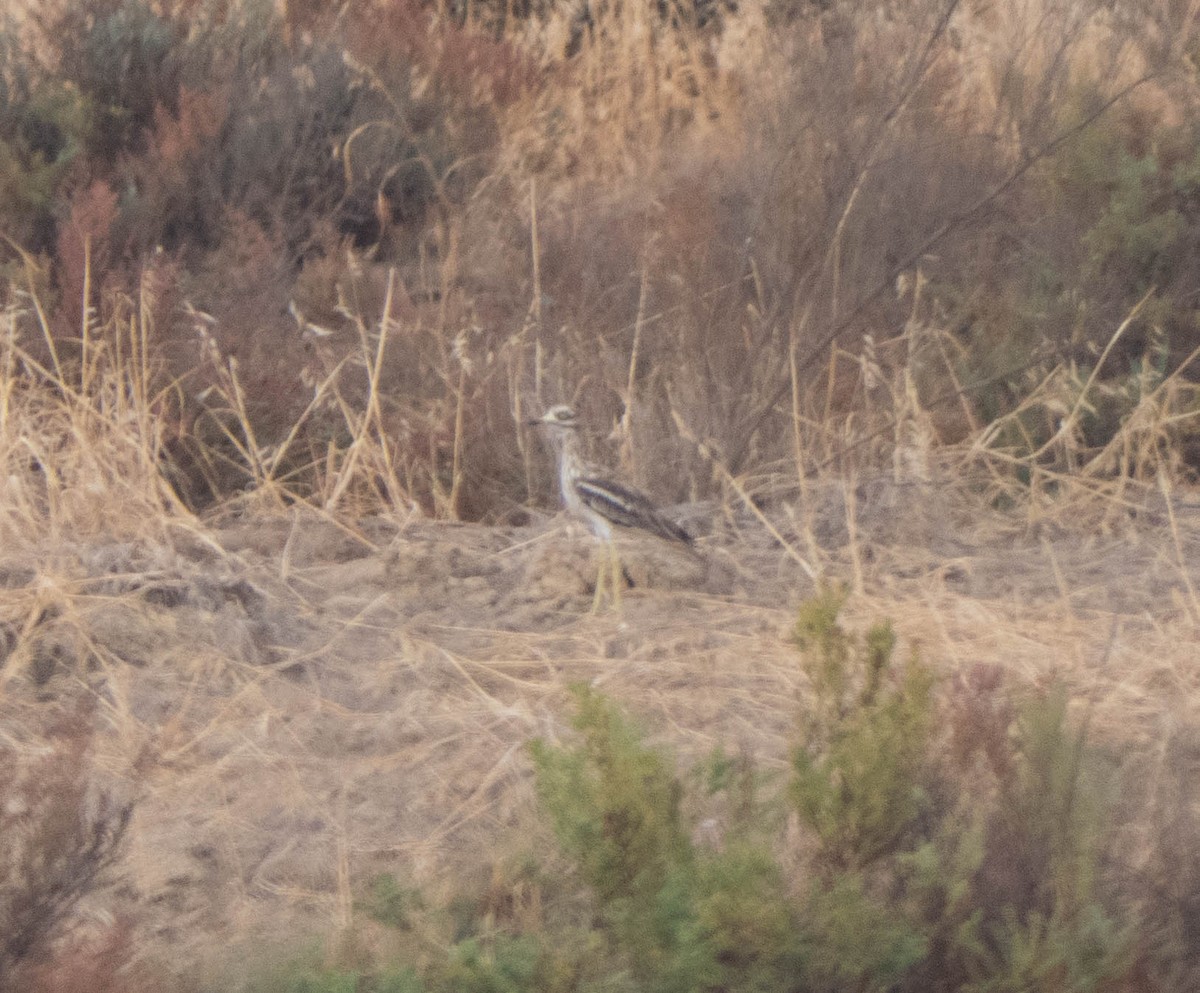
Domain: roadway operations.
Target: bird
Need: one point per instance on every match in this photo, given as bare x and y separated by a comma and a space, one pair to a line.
606, 505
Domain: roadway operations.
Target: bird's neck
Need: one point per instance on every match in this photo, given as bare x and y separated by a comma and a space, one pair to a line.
568, 459
571, 468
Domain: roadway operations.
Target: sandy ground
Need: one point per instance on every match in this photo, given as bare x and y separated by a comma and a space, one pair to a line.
320, 702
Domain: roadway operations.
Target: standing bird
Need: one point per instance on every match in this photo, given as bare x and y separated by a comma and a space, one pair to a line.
605, 505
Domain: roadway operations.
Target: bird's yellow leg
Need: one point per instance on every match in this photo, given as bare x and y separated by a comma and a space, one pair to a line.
598, 598
615, 565
610, 570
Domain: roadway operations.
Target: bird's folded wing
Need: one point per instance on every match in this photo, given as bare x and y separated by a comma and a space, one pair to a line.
626, 507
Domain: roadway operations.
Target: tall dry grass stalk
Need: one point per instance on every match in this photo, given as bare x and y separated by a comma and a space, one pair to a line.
82, 435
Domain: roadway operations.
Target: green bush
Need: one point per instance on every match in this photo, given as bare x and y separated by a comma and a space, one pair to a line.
684, 918
615, 806
390, 903
927, 873
1045, 922
858, 777
303, 977
922, 878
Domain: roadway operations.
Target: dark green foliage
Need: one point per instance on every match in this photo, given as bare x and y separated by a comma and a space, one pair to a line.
1118, 220
44, 127
1139, 207
857, 940
125, 63
684, 918
997, 890
324, 982
858, 777
304, 977
511, 966
859, 784
747, 918
390, 903
615, 804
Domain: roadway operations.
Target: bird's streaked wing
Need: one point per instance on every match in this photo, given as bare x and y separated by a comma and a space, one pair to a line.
627, 507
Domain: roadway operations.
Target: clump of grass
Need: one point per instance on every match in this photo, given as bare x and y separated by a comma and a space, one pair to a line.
85, 429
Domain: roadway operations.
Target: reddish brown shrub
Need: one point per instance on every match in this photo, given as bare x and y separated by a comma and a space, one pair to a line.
98, 963
84, 254
60, 833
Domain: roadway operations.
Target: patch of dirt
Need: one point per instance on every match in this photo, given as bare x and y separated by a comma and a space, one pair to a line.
311, 702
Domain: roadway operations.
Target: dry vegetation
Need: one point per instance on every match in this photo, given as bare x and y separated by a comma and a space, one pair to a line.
898, 295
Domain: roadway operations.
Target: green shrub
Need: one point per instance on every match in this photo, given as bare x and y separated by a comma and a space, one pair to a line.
858, 777
684, 918
615, 806
126, 64
1045, 922
390, 903
926, 875
45, 126
856, 939
505, 966
308, 975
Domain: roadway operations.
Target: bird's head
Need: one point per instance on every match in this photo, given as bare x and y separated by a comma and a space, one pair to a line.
559, 416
